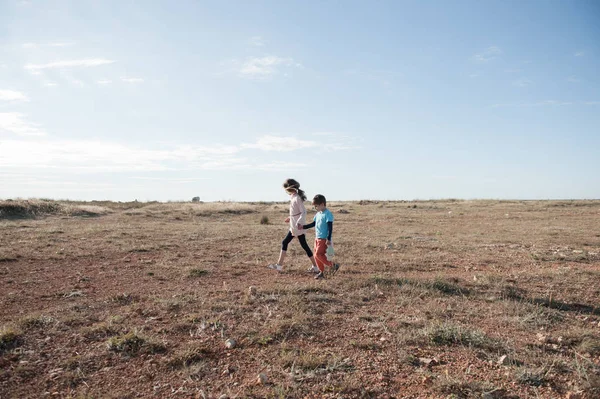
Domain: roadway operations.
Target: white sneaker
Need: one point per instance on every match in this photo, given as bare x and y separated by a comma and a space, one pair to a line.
313, 269
275, 266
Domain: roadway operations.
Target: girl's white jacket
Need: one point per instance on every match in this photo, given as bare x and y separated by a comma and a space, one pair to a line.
297, 215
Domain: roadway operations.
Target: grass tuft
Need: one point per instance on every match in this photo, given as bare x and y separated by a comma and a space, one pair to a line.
124, 299
589, 344
9, 338
189, 356
534, 378
197, 273
454, 334
455, 388
37, 321
133, 343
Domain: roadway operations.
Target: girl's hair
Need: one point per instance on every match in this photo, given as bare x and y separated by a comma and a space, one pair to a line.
291, 184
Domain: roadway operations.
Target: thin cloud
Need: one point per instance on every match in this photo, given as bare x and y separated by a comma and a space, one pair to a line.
50, 84
333, 141
545, 103
85, 156
61, 44
12, 95
171, 179
257, 41
281, 144
573, 79
524, 82
592, 102
264, 67
381, 77
280, 166
132, 80
30, 45
83, 63
15, 123
96, 156
104, 82
579, 54
486, 55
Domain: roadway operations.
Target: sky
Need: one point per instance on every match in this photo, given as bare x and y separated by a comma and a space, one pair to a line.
390, 100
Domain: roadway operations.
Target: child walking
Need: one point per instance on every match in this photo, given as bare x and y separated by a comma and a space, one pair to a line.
297, 217
323, 223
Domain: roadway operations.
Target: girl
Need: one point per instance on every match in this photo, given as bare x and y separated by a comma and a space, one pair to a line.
297, 216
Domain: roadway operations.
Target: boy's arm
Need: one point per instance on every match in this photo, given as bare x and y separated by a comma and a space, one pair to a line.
308, 226
330, 231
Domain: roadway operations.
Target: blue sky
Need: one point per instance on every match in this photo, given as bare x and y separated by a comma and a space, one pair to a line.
157, 100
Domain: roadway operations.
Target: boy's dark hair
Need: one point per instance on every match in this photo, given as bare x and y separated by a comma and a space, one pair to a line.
319, 199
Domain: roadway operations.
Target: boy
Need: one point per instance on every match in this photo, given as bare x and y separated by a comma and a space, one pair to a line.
323, 223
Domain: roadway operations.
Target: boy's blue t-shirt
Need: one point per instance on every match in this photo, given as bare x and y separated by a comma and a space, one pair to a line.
321, 219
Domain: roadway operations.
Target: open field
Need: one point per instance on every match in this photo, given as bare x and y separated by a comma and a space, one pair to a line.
434, 299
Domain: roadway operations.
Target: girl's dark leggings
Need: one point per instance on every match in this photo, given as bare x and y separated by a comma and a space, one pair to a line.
301, 238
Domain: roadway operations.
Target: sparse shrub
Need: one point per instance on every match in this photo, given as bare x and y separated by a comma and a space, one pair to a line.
28, 209
9, 338
445, 287
589, 344
132, 343
189, 356
264, 219
100, 331
124, 299
409, 359
448, 288
86, 210
531, 377
462, 389
512, 292
38, 321
197, 272
264, 340
454, 334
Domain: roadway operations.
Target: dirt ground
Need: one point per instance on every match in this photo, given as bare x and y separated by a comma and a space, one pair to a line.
434, 299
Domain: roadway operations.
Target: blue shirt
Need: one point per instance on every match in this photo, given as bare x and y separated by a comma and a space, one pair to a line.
321, 219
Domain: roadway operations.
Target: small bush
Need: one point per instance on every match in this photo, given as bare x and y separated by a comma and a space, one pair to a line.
9, 338
28, 209
132, 343
589, 345
264, 219
527, 376
100, 331
189, 356
39, 321
197, 272
463, 389
451, 334
124, 299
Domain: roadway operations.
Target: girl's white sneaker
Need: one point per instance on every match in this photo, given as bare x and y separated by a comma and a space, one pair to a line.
275, 266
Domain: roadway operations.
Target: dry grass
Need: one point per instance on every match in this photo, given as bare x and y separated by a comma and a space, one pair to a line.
137, 299
9, 338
